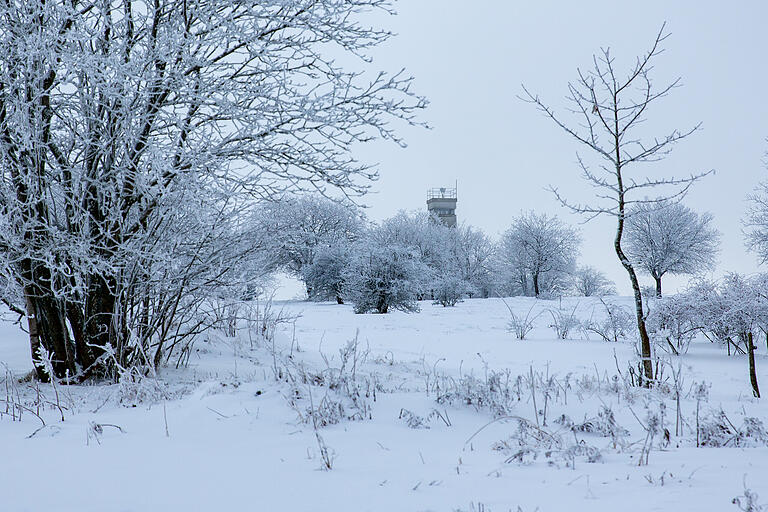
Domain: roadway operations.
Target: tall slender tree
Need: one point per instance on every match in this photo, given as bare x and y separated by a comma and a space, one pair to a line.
609, 109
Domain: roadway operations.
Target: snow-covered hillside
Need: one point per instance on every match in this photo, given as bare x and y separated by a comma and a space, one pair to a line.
439, 410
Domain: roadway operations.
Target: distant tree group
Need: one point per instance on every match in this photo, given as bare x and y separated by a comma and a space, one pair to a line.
413, 256
307, 236
446, 263
410, 257
756, 223
732, 312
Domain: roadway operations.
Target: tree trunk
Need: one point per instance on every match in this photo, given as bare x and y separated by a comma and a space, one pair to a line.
339, 300
658, 285
382, 306
536, 284
752, 372
47, 329
46, 320
645, 341
99, 320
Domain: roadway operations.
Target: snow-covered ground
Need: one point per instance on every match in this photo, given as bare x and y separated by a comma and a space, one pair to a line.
431, 411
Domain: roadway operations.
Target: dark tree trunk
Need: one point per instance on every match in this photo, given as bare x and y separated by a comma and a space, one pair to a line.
382, 306
339, 300
658, 285
34, 334
536, 284
645, 340
47, 329
752, 371
46, 320
99, 325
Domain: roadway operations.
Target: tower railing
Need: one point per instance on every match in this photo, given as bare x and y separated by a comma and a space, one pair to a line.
441, 193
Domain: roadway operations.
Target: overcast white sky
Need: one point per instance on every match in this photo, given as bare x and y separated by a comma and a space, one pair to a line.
470, 58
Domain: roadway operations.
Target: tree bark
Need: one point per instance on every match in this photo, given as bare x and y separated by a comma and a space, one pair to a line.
46, 320
99, 320
34, 334
645, 340
658, 285
47, 329
752, 371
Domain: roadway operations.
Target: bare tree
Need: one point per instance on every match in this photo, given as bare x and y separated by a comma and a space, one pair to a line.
610, 108
122, 123
540, 246
670, 239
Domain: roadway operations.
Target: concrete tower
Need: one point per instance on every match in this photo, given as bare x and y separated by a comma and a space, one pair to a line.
441, 202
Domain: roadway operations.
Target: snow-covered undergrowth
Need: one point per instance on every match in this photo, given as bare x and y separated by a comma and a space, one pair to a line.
438, 410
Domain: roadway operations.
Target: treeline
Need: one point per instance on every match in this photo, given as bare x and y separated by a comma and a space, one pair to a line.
393, 264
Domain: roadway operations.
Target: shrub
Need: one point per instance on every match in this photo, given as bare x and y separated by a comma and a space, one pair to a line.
449, 290
383, 277
324, 277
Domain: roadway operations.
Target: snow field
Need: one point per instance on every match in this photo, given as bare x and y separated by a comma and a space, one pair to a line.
442, 418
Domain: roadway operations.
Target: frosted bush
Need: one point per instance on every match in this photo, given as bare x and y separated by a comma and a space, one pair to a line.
383, 277
135, 389
614, 326
528, 442
673, 322
449, 290
494, 393
324, 277
564, 322
748, 501
412, 419
521, 324
716, 430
